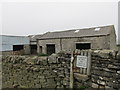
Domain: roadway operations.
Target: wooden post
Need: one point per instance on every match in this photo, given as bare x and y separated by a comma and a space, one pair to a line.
85, 69
89, 63
81, 70
71, 71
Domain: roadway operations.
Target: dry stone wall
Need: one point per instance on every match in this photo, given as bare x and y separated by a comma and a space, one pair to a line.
54, 71
35, 72
105, 71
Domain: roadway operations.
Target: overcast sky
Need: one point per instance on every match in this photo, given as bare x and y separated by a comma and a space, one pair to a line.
26, 18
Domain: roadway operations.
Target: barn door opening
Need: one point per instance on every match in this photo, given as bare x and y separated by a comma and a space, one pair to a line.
18, 47
83, 46
50, 48
40, 49
33, 49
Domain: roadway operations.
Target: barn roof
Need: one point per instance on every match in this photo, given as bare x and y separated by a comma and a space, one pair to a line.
34, 38
95, 31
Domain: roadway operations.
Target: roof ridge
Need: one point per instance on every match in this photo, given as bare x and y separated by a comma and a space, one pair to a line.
87, 28
105, 30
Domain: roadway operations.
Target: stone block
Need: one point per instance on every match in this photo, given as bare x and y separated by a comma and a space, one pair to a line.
109, 70
65, 82
42, 80
81, 77
61, 75
118, 72
101, 87
35, 69
116, 85
94, 85
118, 56
41, 77
107, 88
101, 82
52, 58
29, 60
110, 66
104, 54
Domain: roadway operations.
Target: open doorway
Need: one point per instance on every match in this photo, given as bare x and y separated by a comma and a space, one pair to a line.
50, 48
40, 49
83, 46
18, 47
33, 49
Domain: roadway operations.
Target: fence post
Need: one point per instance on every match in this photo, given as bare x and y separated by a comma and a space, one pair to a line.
89, 63
71, 71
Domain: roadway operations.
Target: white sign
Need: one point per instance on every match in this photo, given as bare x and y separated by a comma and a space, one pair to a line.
81, 61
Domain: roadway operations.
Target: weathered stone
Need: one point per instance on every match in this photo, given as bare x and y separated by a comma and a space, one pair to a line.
104, 53
61, 75
101, 82
116, 85
80, 77
118, 72
41, 77
118, 56
58, 83
116, 76
51, 82
107, 88
109, 70
101, 78
52, 58
65, 82
113, 67
42, 80
94, 85
29, 61
101, 87
35, 69
44, 62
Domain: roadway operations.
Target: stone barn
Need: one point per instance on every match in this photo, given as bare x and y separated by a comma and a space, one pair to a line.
33, 43
103, 37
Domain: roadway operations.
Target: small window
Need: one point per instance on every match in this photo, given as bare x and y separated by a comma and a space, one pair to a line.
83, 46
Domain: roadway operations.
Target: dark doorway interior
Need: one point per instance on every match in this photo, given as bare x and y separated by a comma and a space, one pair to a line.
50, 49
33, 49
83, 46
40, 49
18, 47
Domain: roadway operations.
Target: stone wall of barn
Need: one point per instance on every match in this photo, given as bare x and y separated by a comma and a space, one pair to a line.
69, 44
43, 43
100, 42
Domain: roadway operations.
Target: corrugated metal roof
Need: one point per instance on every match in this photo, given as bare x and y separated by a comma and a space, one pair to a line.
96, 31
8, 41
